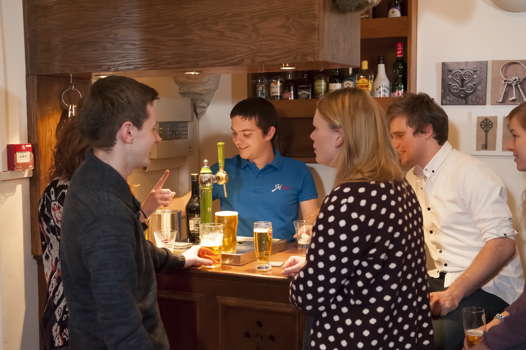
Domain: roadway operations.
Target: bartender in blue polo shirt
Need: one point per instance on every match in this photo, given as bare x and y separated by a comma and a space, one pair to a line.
263, 184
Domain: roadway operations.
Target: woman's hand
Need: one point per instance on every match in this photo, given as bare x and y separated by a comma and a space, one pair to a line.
158, 196
293, 265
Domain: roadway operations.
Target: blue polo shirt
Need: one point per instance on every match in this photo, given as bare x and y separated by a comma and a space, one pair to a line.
270, 194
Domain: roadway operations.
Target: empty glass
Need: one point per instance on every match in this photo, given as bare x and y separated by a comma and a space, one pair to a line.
165, 226
303, 233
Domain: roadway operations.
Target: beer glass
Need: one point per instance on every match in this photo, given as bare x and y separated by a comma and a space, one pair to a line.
212, 238
474, 320
263, 244
303, 233
229, 221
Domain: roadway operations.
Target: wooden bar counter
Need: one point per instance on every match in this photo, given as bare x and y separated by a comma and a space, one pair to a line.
232, 307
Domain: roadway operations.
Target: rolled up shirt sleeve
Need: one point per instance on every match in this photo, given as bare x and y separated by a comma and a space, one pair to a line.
487, 199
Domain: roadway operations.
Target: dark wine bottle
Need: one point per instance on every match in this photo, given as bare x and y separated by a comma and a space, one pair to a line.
335, 82
304, 86
289, 87
399, 86
193, 211
261, 87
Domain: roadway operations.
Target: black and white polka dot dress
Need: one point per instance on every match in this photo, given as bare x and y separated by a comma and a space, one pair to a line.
365, 281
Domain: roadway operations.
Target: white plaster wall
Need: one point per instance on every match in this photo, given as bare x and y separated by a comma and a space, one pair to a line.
18, 274
471, 30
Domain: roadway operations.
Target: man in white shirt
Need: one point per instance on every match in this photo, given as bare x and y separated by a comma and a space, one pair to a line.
470, 240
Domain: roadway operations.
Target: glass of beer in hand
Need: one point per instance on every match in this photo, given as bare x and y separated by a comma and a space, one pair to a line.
211, 235
229, 221
474, 319
263, 244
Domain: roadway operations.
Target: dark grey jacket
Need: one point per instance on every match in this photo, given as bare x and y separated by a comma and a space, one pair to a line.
109, 268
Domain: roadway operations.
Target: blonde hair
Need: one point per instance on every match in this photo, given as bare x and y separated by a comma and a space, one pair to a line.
367, 153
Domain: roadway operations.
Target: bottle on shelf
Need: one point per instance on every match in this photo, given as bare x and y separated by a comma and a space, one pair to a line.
335, 82
193, 211
304, 86
289, 87
399, 86
349, 80
395, 10
261, 86
364, 77
320, 84
276, 87
381, 85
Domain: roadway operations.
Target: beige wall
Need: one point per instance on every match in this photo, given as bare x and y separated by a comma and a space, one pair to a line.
18, 283
471, 30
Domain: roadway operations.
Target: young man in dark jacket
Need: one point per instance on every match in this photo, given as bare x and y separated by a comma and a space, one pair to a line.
109, 268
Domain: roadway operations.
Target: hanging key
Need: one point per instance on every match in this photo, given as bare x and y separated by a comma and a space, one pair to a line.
514, 82
505, 83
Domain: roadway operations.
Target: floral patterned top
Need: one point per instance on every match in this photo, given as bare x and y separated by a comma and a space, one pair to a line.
56, 312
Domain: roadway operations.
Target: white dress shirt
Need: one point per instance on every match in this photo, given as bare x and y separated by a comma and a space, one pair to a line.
464, 205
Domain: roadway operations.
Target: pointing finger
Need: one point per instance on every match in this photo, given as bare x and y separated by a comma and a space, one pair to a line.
162, 180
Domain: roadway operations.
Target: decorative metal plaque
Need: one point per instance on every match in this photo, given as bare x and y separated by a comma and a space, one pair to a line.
464, 83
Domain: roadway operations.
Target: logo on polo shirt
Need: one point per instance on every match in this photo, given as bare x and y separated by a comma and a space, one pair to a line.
280, 187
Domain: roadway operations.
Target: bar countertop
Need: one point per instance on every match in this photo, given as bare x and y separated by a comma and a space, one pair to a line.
230, 307
249, 270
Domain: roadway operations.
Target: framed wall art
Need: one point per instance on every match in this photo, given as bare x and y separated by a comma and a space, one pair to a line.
508, 82
464, 83
490, 136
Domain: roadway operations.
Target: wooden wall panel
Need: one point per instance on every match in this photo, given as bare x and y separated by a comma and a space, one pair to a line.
44, 110
104, 36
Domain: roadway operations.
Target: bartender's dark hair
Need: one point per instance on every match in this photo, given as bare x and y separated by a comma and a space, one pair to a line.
260, 109
111, 102
421, 110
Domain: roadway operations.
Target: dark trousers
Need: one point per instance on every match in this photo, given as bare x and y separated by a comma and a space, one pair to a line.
449, 330
308, 322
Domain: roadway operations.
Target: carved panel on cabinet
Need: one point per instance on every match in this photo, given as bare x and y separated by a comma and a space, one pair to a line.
258, 325
180, 313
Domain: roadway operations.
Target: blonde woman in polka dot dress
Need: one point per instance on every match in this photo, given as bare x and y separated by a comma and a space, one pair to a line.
363, 280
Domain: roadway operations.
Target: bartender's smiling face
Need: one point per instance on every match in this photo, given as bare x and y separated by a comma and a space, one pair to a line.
517, 144
249, 138
409, 145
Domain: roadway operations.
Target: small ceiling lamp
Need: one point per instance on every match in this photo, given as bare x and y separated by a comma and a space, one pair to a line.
286, 66
192, 72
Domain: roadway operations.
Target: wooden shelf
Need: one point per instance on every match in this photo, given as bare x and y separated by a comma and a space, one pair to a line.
376, 28
15, 175
306, 108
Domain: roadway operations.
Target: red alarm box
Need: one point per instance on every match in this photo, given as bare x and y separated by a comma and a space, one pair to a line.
20, 156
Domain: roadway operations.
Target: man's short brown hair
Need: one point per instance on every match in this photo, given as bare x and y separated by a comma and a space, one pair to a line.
110, 102
421, 110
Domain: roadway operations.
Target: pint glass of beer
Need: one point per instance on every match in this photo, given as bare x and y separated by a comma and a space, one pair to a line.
229, 221
263, 244
474, 319
211, 235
